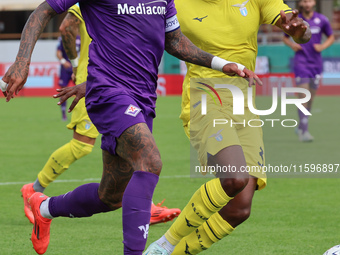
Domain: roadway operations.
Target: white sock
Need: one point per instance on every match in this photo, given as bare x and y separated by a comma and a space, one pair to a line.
164, 243
44, 211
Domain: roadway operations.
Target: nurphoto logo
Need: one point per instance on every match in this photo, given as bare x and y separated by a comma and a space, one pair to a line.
216, 92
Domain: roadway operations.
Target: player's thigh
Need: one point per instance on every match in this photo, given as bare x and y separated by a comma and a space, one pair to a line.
251, 139
138, 147
304, 85
231, 161
209, 139
312, 93
81, 122
126, 127
117, 173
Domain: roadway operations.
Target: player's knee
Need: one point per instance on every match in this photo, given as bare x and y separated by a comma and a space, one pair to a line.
80, 149
238, 216
153, 164
233, 186
113, 204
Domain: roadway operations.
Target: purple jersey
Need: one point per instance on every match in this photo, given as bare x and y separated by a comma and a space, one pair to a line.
308, 57
128, 38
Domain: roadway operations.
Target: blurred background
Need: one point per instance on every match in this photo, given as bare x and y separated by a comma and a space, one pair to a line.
273, 62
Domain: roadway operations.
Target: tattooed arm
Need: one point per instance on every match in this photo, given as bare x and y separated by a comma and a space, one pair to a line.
181, 47
69, 30
16, 75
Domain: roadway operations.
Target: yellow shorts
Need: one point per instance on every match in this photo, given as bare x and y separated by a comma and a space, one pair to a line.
209, 139
80, 121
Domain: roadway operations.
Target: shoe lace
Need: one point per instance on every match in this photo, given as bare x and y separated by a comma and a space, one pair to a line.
160, 204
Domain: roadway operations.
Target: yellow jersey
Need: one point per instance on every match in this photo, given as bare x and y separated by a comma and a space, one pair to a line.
227, 29
85, 41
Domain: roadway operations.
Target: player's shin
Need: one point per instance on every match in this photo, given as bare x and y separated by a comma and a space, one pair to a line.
207, 200
303, 124
136, 205
60, 160
81, 202
213, 230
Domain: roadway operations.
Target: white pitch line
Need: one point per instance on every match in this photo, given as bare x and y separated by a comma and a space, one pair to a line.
90, 180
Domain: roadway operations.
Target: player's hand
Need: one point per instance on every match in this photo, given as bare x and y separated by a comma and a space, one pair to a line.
73, 78
318, 47
74, 75
67, 92
67, 65
232, 69
15, 77
294, 26
296, 47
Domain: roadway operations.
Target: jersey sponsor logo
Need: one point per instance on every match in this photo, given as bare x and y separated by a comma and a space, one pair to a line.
217, 136
88, 124
145, 230
200, 19
315, 30
143, 8
132, 110
317, 20
243, 8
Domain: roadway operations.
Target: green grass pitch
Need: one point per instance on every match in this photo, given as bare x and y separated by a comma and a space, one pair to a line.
290, 216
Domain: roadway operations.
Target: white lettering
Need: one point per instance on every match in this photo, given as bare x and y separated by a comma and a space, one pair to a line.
238, 100
141, 9
255, 120
220, 122
297, 101
122, 10
292, 120
262, 112
132, 9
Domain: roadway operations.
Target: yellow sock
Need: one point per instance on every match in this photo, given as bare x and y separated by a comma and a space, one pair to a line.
207, 200
61, 159
204, 236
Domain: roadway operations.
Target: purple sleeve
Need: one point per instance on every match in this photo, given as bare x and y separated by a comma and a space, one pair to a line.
60, 44
326, 28
286, 35
61, 5
170, 9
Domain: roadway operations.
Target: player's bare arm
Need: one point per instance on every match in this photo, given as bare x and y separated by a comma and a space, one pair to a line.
69, 30
293, 45
328, 42
16, 75
178, 45
67, 92
294, 26
61, 59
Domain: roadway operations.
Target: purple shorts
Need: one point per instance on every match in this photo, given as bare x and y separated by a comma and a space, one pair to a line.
113, 114
65, 76
309, 75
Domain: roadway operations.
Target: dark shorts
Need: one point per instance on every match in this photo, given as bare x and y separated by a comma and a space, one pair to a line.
65, 76
113, 114
304, 75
